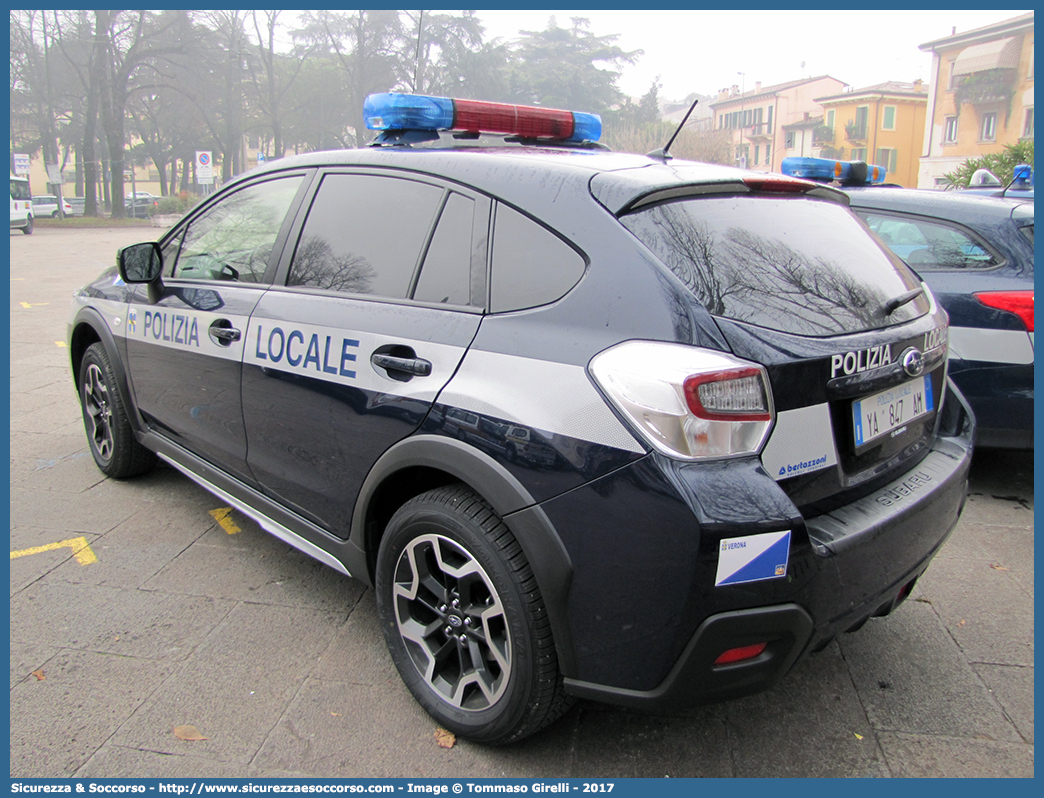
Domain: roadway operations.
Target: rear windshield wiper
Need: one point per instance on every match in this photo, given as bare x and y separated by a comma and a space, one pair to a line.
896, 302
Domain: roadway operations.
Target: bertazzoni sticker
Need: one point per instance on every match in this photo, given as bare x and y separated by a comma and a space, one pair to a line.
753, 558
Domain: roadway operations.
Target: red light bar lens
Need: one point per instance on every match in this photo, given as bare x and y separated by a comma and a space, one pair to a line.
524, 121
778, 183
741, 653
1018, 302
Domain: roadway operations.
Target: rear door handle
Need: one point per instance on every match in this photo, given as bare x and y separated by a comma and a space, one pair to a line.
414, 366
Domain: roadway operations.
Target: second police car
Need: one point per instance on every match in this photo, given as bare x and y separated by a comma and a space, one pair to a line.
619, 427
977, 253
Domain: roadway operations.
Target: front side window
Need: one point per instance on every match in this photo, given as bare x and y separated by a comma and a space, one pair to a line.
930, 245
793, 264
364, 235
233, 239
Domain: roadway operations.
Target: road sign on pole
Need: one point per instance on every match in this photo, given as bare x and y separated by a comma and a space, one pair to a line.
204, 168
21, 163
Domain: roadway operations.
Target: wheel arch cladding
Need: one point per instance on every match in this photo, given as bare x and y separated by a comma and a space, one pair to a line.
419, 463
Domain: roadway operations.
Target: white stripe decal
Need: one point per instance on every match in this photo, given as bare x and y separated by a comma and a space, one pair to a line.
802, 441
183, 329
553, 397
991, 346
334, 354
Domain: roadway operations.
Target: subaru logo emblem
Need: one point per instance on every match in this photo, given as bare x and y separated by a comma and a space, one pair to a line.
455, 621
913, 362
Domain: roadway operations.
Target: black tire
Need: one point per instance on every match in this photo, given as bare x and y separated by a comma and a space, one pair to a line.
464, 620
28, 229
113, 445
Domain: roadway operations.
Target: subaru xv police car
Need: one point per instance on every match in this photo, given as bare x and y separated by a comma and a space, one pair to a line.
594, 425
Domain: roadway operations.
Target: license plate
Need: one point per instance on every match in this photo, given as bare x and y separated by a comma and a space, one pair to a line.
891, 410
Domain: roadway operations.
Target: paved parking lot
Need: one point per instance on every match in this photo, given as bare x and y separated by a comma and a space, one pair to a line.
141, 606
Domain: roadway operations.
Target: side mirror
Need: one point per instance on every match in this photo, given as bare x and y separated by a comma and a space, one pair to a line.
141, 263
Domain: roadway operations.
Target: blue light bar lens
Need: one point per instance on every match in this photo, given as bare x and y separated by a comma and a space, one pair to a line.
1023, 176
391, 111
815, 168
828, 169
586, 127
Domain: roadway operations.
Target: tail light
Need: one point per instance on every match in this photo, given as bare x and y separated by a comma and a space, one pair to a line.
687, 402
1018, 302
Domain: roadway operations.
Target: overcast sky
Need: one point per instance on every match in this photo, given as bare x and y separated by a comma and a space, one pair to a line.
702, 51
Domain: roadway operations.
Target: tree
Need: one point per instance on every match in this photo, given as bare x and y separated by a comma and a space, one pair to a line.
274, 75
127, 43
1002, 164
446, 55
568, 68
365, 45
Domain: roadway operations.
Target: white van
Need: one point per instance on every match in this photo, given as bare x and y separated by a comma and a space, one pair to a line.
21, 204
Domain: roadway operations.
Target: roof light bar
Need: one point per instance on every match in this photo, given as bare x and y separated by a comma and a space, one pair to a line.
827, 169
1023, 176
390, 111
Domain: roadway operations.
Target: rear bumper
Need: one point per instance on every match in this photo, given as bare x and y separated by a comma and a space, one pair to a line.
867, 555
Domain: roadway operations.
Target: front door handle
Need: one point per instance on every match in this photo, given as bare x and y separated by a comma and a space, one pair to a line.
414, 366
223, 332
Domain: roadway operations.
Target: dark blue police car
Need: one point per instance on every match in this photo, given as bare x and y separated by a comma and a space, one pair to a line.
593, 425
976, 252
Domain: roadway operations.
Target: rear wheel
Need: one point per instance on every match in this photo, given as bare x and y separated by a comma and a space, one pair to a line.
464, 620
115, 449
28, 229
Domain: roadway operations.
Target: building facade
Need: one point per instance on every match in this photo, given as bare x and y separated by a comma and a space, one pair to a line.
757, 119
981, 98
881, 124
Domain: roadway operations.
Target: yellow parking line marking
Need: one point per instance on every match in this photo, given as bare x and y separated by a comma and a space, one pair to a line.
223, 516
28, 305
60, 343
80, 547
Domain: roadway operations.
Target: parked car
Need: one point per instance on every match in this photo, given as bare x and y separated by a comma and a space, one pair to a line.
77, 205
984, 182
21, 205
756, 445
142, 205
976, 252
46, 205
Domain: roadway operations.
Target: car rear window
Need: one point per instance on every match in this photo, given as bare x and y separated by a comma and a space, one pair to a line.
792, 264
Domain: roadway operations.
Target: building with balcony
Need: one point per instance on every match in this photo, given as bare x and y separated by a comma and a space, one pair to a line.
759, 119
981, 98
881, 124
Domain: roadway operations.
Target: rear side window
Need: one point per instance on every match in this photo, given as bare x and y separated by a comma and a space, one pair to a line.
365, 235
531, 265
929, 245
793, 264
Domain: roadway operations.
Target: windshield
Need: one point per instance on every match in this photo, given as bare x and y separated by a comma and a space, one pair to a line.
793, 264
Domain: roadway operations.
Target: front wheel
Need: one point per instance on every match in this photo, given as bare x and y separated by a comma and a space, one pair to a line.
464, 620
28, 229
115, 449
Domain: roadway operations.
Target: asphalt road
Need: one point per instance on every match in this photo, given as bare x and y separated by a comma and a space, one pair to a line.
141, 606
